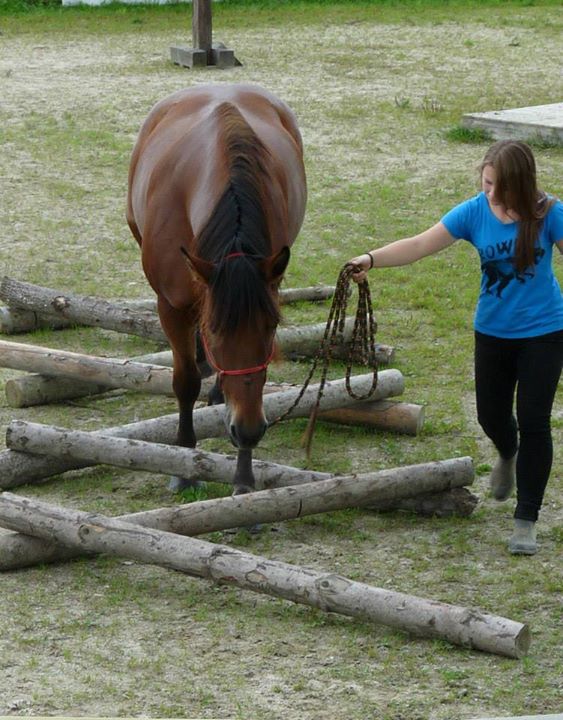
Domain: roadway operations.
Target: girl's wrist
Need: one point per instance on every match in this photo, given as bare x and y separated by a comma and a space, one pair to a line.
370, 256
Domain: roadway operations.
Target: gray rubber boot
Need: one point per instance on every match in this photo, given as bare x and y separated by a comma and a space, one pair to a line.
502, 478
523, 539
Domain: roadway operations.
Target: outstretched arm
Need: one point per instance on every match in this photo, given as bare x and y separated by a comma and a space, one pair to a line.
403, 252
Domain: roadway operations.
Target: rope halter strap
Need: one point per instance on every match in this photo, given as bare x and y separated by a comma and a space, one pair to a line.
242, 371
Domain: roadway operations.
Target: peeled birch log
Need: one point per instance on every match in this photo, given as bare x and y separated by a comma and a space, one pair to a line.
18, 468
264, 506
27, 302
222, 564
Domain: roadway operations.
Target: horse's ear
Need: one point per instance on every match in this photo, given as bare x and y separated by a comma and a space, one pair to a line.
274, 266
203, 268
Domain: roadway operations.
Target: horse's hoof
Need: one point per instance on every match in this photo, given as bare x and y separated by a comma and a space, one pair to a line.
242, 489
177, 484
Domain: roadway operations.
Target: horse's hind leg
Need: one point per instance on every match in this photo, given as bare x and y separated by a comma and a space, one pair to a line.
186, 378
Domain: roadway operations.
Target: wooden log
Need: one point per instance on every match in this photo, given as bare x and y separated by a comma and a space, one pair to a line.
298, 340
112, 373
81, 310
221, 564
33, 389
325, 493
15, 320
101, 448
384, 415
93, 448
458, 502
18, 468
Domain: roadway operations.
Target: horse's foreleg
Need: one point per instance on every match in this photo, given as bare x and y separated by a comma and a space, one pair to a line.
243, 480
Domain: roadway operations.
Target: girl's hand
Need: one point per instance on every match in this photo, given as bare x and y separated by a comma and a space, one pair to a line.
363, 263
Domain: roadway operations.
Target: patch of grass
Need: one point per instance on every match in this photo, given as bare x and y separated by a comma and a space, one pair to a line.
468, 135
384, 83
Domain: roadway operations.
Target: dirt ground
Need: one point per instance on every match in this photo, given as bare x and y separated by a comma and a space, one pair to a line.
116, 638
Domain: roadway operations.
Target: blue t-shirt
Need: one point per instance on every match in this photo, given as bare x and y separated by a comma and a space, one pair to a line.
511, 304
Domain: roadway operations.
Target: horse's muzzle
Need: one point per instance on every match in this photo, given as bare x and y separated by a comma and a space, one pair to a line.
246, 437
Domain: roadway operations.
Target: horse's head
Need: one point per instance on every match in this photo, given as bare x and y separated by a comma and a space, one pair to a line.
239, 319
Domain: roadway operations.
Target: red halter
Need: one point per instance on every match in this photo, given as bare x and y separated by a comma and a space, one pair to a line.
242, 371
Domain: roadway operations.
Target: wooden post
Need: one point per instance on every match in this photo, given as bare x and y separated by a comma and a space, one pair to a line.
202, 53
225, 565
201, 25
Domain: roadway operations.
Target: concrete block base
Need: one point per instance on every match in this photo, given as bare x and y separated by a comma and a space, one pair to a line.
219, 56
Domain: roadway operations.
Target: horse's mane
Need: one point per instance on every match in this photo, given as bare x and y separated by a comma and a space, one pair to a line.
238, 224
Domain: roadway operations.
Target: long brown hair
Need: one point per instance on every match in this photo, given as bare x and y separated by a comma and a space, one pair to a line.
515, 168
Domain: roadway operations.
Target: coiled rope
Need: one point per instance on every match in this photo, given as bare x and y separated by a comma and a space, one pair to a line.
361, 348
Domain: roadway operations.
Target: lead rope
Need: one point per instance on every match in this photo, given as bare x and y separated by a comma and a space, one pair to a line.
361, 349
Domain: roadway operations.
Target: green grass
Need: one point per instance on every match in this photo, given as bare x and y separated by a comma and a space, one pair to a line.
379, 89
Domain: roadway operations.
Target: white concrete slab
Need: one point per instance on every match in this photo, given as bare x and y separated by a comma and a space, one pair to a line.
537, 122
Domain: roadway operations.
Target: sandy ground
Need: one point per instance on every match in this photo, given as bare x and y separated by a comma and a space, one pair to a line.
117, 638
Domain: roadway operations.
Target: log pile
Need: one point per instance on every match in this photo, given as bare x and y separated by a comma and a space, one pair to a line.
43, 533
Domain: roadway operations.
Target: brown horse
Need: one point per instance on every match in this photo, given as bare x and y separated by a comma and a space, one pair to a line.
217, 195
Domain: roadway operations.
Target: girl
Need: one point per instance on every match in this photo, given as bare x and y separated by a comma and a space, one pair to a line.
518, 320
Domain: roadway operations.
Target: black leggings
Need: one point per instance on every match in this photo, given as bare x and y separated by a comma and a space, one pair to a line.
533, 365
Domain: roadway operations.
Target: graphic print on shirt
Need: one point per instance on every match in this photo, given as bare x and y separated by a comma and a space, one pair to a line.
501, 272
